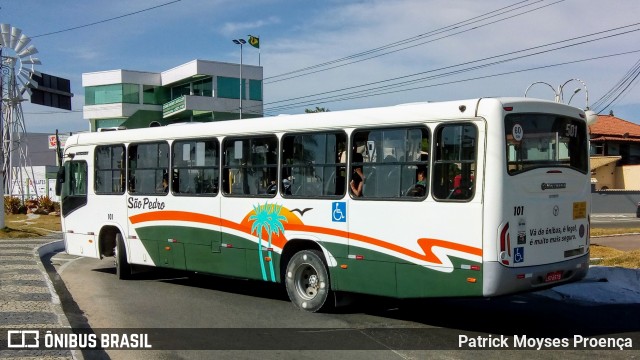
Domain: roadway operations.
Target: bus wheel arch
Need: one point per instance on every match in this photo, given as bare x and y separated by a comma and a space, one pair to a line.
305, 275
107, 240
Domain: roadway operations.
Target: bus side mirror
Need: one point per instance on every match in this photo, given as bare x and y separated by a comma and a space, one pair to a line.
59, 180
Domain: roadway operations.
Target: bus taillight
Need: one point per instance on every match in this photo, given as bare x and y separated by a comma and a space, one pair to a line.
505, 244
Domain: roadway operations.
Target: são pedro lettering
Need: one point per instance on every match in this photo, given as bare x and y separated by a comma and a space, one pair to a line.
145, 204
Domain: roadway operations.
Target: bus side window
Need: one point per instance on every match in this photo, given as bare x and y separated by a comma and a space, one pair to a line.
311, 164
109, 172
148, 164
195, 167
250, 165
455, 163
390, 159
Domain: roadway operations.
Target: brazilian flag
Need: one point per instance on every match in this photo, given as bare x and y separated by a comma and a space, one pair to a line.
254, 41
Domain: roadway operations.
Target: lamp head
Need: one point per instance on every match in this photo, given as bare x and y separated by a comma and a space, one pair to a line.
591, 116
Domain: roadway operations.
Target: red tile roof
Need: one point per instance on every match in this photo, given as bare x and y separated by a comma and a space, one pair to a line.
617, 139
609, 126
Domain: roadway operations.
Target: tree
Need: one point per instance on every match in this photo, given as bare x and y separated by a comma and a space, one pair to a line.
316, 110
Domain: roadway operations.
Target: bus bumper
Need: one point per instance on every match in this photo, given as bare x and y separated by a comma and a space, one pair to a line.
502, 280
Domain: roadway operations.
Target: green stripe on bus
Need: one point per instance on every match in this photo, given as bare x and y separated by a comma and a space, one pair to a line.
210, 251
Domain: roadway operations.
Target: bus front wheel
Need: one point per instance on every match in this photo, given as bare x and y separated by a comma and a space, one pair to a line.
123, 268
307, 280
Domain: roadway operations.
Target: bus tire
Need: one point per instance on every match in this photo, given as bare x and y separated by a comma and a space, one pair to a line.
123, 268
307, 280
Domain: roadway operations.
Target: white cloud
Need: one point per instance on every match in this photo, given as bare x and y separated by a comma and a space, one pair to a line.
235, 28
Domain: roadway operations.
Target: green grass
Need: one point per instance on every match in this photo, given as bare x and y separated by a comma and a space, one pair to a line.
26, 226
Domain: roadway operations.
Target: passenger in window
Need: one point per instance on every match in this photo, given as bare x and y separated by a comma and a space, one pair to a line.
286, 185
462, 187
272, 188
420, 187
165, 184
357, 177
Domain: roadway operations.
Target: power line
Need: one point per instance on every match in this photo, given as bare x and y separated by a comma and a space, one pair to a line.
314, 97
106, 20
619, 89
382, 92
442, 30
479, 60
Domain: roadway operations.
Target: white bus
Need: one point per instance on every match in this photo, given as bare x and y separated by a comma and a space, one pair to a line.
479, 197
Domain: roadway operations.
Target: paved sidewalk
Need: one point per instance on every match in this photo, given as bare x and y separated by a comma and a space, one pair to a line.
28, 300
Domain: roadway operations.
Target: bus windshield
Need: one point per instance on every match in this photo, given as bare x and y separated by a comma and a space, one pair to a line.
545, 140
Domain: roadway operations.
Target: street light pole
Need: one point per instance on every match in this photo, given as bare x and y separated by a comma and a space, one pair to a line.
586, 91
557, 96
240, 42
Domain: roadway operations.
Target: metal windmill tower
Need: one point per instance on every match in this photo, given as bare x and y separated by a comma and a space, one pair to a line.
16, 75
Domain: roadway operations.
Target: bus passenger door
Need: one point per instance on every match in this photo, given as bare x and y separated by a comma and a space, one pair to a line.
79, 232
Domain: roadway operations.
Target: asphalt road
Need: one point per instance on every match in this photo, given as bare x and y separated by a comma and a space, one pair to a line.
620, 242
93, 297
615, 221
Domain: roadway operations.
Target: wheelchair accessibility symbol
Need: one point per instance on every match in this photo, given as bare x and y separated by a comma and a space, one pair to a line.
518, 255
339, 211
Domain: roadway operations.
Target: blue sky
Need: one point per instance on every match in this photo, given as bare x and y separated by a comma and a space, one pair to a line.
442, 65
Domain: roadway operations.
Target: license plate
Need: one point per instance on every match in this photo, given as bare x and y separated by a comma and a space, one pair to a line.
553, 276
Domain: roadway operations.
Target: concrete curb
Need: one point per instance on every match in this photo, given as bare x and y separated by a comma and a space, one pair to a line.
56, 305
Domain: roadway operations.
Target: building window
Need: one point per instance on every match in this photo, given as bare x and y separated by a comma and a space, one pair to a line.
180, 90
255, 90
155, 95
229, 88
107, 123
112, 94
203, 87
597, 149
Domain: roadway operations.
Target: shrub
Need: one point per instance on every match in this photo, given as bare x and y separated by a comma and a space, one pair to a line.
45, 203
31, 205
12, 205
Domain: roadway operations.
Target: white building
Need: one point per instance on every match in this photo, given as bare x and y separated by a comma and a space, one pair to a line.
199, 90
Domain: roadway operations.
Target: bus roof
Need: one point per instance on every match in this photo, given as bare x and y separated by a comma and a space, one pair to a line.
424, 111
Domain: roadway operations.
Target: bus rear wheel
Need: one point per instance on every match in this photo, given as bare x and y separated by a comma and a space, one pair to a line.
307, 280
123, 268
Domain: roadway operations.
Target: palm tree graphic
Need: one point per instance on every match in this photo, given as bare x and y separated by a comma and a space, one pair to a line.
267, 218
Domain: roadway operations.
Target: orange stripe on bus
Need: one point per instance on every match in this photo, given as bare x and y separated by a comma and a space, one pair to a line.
186, 216
427, 245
